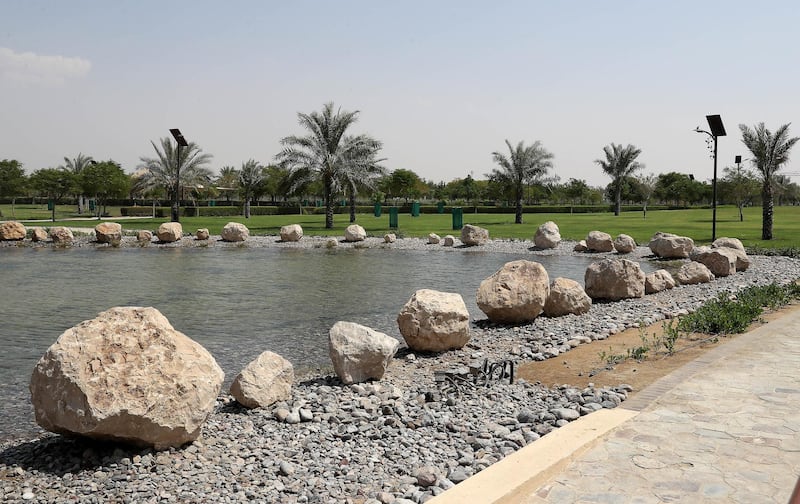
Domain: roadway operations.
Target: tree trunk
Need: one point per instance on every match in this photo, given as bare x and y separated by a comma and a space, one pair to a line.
352, 198
766, 211
328, 203
518, 216
618, 199
247, 208
741, 213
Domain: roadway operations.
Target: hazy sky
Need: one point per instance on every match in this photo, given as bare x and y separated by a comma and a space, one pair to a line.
441, 83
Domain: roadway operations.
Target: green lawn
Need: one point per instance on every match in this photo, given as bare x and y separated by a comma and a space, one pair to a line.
695, 223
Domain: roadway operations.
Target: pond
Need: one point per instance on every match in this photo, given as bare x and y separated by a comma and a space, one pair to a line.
237, 302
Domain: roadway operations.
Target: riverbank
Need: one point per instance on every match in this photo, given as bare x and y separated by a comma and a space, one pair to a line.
397, 440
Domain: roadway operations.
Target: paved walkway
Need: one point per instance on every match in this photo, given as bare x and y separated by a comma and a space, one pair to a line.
724, 428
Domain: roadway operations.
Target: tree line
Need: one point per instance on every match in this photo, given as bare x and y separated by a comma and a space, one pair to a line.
330, 163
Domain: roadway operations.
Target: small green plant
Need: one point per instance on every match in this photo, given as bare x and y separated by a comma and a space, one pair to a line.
671, 334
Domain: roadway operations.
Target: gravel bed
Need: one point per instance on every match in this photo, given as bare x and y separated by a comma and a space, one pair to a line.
400, 440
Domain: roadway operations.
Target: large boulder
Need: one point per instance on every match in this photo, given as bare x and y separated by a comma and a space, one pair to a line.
61, 235
598, 241
291, 232
266, 380
624, 244
566, 297
108, 232
720, 261
726, 242
354, 233
433, 321
169, 232
12, 230
515, 293
658, 281
694, 273
614, 279
742, 260
38, 234
671, 246
474, 235
144, 236
547, 236
359, 353
126, 375
234, 232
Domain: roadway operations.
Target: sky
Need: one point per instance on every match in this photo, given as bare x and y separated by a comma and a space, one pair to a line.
441, 83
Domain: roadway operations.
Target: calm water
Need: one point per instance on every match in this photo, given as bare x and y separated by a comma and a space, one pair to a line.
237, 302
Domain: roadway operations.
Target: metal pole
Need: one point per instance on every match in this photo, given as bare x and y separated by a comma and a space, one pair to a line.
177, 203
714, 196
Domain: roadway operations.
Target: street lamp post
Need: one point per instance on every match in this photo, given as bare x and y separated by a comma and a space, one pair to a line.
717, 130
176, 205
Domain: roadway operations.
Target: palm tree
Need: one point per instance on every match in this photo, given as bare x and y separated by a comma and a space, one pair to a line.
162, 170
364, 177
76, 166
523, 165
620, 162
250, 177
770, 151
228, 180
327, 154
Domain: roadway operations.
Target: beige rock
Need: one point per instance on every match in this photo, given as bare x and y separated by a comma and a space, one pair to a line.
108, 232
126, 375
449, 241
433, 321
474, 235
694, 273
359, 353
169, 232
434, 239
38, 234
658, 281
61, 235
547, 236
598, 241
624, 244
515, 293
669, 245
354, 233
202, 234
389, 238
264, 381
12, 230
733, 243
614, 279
566, 297
291, 233
580, 246
144, 236
742, 260
720, 261
331, 243
234, 232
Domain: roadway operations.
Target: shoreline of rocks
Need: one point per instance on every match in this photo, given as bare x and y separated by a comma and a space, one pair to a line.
402, 439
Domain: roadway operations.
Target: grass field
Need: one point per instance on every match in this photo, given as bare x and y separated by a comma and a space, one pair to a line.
695, 223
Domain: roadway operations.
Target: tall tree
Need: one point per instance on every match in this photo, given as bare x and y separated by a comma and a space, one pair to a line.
770, 151
620, 162
104, 180
250, 177
524, 164
740, 186
53, 183
647, 186
162, 171
12, 180
364, 178
228, 181
327, 153
76, 166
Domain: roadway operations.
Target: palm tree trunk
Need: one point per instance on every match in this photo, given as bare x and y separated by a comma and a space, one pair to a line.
352, 198
518, 216
766, 211
327, 183
741, 212
618, 199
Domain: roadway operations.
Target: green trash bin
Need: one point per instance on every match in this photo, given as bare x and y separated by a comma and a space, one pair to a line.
50, 205
393, 218
458, 218
377, 209
415, 209
212, 203
91, 205
440, 207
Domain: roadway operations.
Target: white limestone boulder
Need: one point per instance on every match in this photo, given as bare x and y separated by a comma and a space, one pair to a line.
624, 244
389, 238
694, 273
566, 297
515, 293
202, 234
434, 239
61, 235
291, 233
359, 353
264, 381
108, 232
580, 246
38, 234
434, 321
726, 242
234, 232
169, 232
547, 236
144, 236
449, 241
598, 241
126, 375
720, 261
474, 235
12, 231
614, 279
354, 233
671, 246
658, 281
